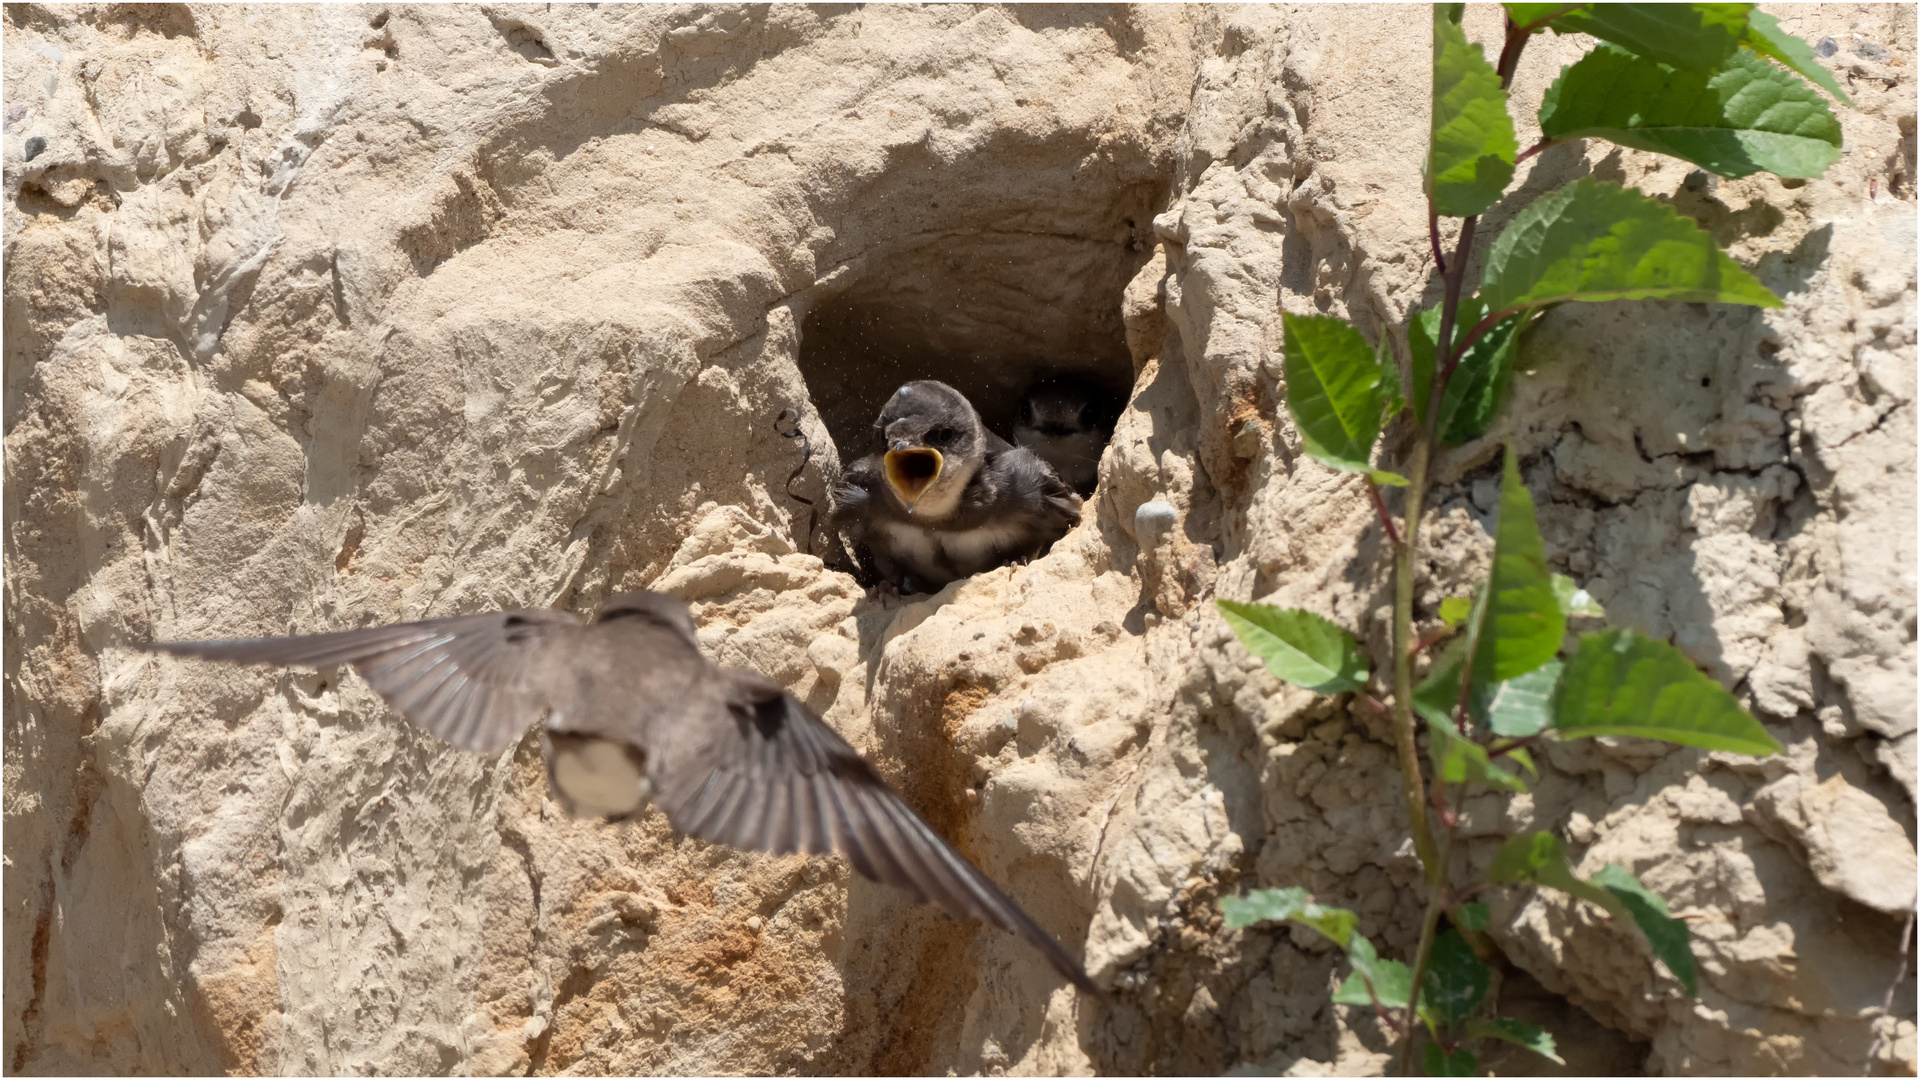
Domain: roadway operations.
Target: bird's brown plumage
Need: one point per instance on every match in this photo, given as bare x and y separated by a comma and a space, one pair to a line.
730, 756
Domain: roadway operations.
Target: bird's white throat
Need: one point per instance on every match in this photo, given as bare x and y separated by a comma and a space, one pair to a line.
597, 777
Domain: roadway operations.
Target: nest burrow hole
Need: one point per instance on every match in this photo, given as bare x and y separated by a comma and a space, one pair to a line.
985, 276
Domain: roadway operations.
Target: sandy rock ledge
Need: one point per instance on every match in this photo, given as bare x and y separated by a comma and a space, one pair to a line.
318, 317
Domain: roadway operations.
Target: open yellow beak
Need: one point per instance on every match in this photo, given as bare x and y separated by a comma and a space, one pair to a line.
911, 472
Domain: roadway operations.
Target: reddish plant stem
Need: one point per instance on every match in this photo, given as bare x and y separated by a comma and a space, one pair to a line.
1466, 342
1433, 237
1525, 743
1510, 52
1380, 507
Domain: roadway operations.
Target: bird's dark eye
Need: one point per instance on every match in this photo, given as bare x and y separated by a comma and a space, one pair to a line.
940, 436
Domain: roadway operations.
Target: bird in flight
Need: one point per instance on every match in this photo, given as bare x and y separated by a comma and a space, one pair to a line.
635, 714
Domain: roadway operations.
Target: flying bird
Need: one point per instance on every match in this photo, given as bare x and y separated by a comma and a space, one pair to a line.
1067, 422
635, 714
947, 498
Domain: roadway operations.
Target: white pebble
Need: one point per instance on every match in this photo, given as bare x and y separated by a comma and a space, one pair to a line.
1152, 519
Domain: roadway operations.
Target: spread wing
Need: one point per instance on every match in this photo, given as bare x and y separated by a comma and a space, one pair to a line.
772, 776
475, 680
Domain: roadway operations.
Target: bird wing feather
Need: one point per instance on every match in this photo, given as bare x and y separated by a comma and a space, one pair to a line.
476, 681
772, 776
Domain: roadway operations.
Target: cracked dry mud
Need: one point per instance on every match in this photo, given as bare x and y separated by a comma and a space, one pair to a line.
320, 317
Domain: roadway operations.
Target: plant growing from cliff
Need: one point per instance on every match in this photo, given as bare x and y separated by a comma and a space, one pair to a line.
1719, 85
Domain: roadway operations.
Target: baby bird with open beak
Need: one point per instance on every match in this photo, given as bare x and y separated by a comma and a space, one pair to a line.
947, 498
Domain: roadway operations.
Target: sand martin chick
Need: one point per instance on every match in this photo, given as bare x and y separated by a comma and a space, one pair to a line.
636, 715
947, 498
1065, 421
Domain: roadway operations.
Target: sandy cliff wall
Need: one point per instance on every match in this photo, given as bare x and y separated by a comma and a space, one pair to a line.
321, 317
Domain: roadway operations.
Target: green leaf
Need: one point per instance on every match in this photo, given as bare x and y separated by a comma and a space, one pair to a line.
1280, 905
1473, 916
1519, 1033
1530, 16
1538, 859
1523, 705
1523, 759
1456, 980
1748, 117
1765, 37
1455, 609
1439, 693
1692, 36
1515, 708
1437, 1062
1298, 646
1479, 383
1392, 479
1390, 374
1524, 623
1458, 760
1623, 683
1666, 934
1374, 981
1337, 390
1574, 599
1593, 241
1470, 156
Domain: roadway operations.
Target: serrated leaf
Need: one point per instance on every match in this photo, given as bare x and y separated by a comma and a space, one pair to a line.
1459, 760
1298, 646
1455, 609
1471, 916
1519, 1033
1765, 37
1624, 683
1748, 117
1470, 155
1574, 599
1374, 981
1691, 36
1524, 624
1479, 383
1456, 980
1668, 935
1281, 905
1390, 375
1539, 859
1336, 389
1592, 241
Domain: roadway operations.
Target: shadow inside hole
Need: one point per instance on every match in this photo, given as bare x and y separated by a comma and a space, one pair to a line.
989, 314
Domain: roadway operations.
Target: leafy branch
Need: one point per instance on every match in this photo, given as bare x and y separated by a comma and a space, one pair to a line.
1719, 85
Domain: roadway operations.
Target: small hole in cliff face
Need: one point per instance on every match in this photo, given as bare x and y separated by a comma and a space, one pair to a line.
986, 275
